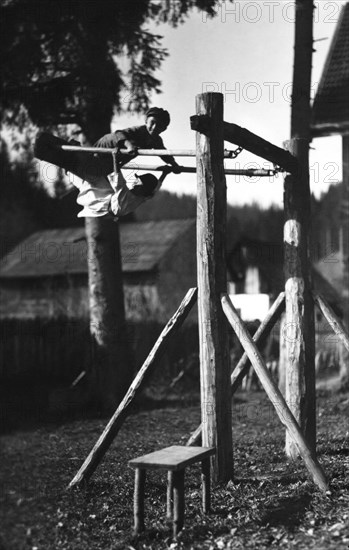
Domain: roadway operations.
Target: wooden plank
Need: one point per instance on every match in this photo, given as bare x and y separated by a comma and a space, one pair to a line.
274, 394
249, 141
243, 365
332, 319
212, 280
172, 458
118, 418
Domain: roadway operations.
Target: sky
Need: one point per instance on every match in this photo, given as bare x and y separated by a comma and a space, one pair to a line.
246, 53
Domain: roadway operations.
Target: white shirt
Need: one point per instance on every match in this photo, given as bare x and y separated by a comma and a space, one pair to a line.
100, 193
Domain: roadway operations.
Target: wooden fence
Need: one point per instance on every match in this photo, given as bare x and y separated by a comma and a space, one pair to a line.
57, 350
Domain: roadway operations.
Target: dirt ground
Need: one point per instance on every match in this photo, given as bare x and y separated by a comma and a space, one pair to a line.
270, 502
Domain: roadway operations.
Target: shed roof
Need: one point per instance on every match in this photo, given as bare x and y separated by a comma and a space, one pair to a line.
331, 105
64, 251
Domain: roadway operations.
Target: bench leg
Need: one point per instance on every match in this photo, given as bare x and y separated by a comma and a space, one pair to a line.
206, 485
169, 510
178, 501
138, 503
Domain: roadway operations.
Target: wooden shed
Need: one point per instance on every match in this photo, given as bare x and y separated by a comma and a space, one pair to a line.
45, 276
44, 303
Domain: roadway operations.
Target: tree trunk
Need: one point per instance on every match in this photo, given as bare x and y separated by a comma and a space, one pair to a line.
112, 366
299, 330
112, 372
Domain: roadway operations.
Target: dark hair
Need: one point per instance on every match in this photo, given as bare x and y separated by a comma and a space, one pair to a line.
149, 182
162, 115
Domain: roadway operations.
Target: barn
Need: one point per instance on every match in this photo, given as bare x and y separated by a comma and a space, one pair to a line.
44, 306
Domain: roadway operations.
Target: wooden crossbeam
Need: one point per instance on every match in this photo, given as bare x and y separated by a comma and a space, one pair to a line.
251, 142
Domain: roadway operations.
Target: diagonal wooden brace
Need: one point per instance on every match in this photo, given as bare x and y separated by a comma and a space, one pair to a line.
244, 364
274, 394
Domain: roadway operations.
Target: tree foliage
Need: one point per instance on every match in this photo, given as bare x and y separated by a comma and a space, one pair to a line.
62, 59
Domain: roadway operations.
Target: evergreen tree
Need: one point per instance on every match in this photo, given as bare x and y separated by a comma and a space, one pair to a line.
60, 60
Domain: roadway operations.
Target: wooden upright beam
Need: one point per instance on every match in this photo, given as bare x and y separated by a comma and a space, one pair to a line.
299, 328
212, 281
299, 333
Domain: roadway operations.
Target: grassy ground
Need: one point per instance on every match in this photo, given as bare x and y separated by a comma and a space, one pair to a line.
270, 503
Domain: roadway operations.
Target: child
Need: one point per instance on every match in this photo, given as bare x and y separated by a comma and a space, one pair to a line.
87, 166
102, 196
138, 137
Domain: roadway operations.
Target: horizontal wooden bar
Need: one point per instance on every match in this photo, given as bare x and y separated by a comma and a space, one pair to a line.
192, 170
141, 152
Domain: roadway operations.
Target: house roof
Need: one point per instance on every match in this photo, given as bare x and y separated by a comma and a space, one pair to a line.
64, 251
331, 105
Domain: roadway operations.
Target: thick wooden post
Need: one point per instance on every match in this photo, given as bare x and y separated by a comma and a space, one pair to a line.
299, 329
211, 260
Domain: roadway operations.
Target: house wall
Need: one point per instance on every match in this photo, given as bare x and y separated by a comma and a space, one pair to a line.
44, 327
177, 273
58, 297
44, 298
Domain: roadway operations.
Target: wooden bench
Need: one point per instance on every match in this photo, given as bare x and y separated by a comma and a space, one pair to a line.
173, 459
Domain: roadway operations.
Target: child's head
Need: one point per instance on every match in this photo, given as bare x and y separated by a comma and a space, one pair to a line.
157, 120
143, 186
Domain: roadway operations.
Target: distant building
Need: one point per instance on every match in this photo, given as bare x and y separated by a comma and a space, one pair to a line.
330, 112
330, 116
45, 276
256, 273
44, 303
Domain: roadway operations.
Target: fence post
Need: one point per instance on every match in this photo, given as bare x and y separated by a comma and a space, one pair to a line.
212, 281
